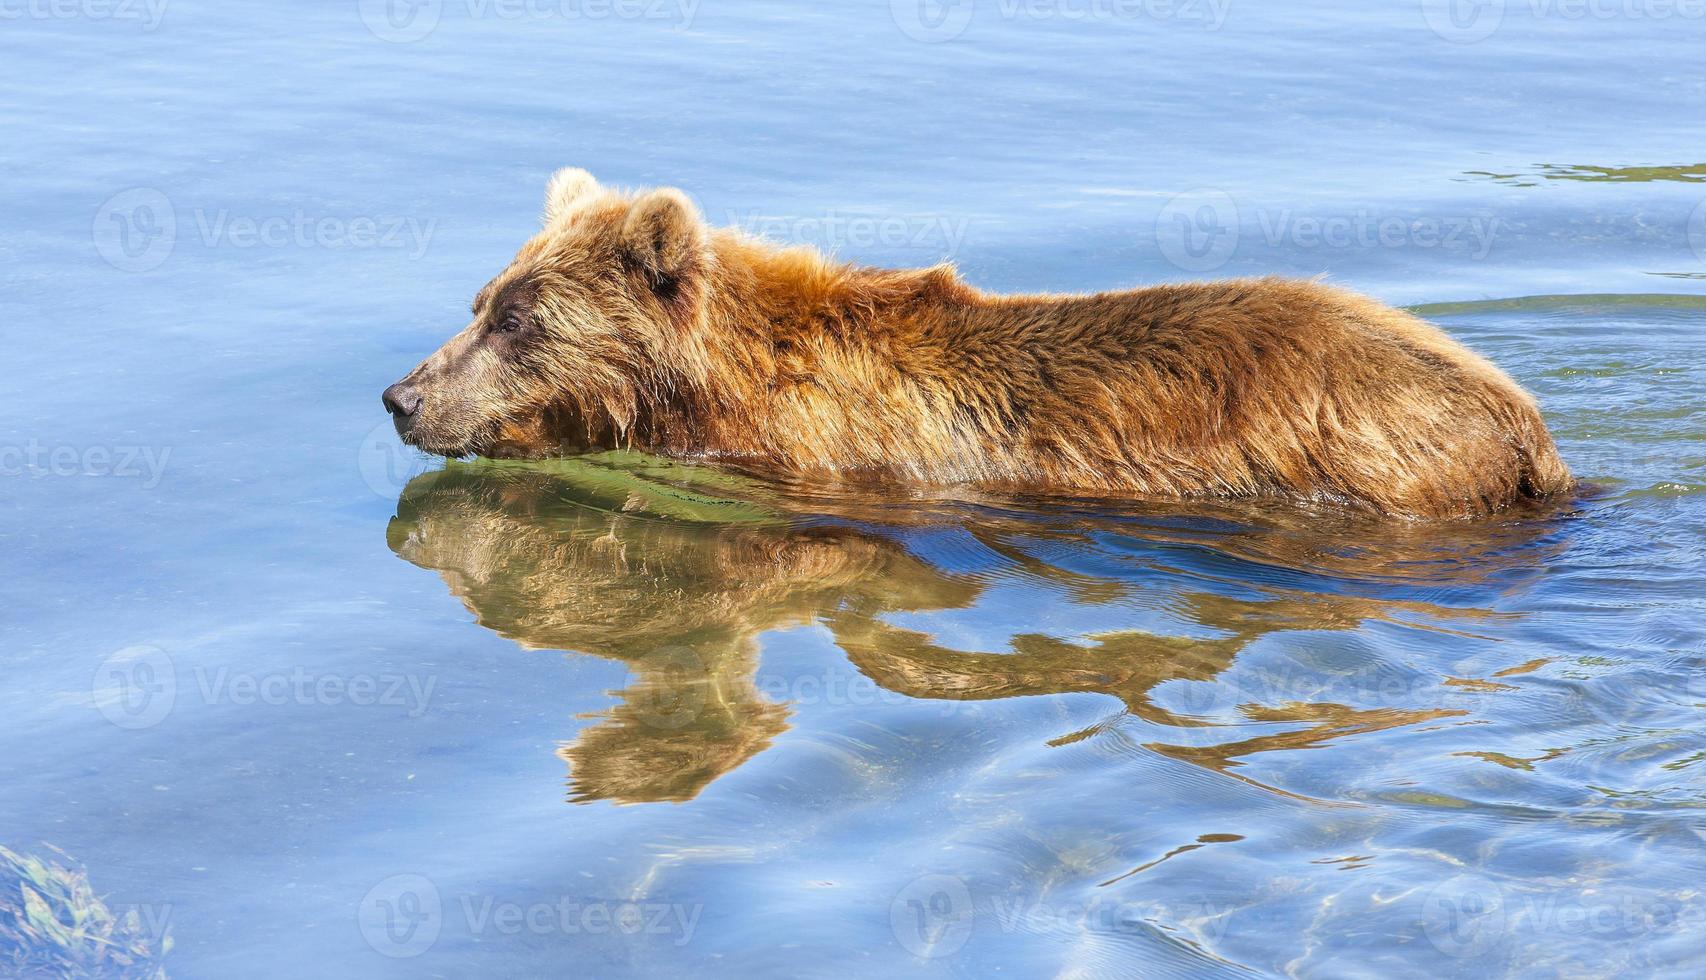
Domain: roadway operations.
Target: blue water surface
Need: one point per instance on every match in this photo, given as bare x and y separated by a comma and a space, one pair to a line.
315, 713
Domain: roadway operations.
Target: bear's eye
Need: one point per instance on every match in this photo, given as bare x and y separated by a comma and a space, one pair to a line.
508, 323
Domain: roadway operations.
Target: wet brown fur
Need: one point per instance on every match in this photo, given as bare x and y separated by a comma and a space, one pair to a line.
634, 324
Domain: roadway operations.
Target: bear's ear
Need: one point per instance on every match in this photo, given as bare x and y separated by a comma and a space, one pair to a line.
665, 237
566, 186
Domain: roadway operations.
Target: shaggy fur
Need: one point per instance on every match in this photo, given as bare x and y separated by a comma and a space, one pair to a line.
628, 322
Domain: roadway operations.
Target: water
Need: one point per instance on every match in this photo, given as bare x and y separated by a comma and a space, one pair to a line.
320, 712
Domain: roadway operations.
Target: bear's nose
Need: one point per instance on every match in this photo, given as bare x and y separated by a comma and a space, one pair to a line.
402, 400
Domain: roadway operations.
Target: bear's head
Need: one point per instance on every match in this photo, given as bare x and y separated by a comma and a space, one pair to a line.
588, 335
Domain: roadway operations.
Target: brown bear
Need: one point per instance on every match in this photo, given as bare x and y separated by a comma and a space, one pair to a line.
629, 322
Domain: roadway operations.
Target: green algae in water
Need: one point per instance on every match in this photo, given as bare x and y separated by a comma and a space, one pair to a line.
1694, 173
639, 485
52, 924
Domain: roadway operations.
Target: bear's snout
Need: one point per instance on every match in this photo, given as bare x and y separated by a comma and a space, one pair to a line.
403, 401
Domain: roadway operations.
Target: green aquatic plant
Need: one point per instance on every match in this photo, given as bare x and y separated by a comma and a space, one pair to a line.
1694, 173
1582, 304
52, 924
626, 482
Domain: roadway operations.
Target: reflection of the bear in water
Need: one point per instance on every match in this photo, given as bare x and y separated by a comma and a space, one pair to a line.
551, 561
